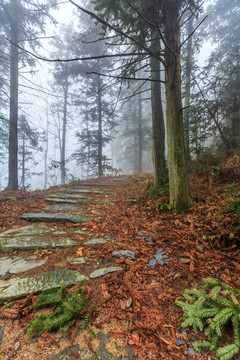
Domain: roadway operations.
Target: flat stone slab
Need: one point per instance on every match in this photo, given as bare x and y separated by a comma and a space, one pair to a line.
34, 229
81, 191
91, 184
104, 271
62, 207
124, 253
69, 196
61, 201
54, 217
15, 288
96, 242
8, 245
17, 265
77, 261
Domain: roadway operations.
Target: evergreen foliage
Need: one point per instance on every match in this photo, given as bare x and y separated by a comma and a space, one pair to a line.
68, 306
211, 308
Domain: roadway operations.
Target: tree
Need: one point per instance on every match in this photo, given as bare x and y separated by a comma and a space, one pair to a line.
216, 97
133, 143
168, 27
141, 33
22, 17
28, 144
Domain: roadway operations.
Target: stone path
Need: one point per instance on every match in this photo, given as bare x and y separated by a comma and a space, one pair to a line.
64, 207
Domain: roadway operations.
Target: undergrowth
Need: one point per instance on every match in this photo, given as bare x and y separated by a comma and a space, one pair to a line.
212, 308
160, 196
233, 205
68, 306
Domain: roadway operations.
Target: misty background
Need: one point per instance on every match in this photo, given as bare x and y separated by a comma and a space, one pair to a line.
59, 101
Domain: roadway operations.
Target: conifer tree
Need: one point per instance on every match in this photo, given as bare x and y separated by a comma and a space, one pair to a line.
22, 20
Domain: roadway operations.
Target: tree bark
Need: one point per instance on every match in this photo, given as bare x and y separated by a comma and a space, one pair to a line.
63, 155
23, 161
179, 197
100, 139
188, 87
158, 127
13, 110
46, 154
140, 135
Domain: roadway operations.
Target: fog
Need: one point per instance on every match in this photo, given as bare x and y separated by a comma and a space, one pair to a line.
85, 110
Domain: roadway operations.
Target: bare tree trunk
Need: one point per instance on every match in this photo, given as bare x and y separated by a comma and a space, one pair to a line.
100, 139
140, 135
13, 113
63, 155
178, 183
46, 156
188, 87
23, 162
158, 128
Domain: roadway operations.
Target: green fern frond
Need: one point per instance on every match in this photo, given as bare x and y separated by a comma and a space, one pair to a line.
236, 329
66, 310
213, 307
207, 313
222, 318
201, 345
49, 298
227, 352
215, 292
234, 300
210, 283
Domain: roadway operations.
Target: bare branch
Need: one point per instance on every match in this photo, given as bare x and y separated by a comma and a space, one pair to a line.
117, 30
155, 27
77, 58
125, 77
193, 31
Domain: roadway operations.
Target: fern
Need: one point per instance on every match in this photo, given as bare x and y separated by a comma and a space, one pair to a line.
212, 307
68, 306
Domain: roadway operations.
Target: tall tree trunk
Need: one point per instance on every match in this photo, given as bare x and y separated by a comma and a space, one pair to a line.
63, 155
178, 183
140, 135
235, 116
23, 162
188, 87
100, 139
46, 155
13, 112
158, 128
88, 143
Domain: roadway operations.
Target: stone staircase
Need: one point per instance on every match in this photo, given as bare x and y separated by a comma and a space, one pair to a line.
65, 207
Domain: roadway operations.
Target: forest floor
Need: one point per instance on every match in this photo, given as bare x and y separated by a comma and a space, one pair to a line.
139, 307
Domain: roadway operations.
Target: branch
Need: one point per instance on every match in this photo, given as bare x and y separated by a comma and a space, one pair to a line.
154, 26
114, 28
76, 58
193, 31
124, 77
135, 93
193, 13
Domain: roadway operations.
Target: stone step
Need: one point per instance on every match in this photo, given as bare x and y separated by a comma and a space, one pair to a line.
26, 243
17, 265
80, 191
16, 288
33, 229
55, 217
91, 184
68, 196
104, 271
62, 207
96, 242
61, 201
